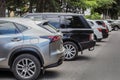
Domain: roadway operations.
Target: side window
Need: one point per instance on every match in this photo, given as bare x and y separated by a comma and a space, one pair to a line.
73, 22
7, 28
21, 27
62, 22
99, 23
54, 22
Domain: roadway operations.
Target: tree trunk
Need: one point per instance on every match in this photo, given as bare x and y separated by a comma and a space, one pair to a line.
2, 8
31, 6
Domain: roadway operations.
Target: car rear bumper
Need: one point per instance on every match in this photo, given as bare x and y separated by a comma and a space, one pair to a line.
105, 35
59, 62
88, 44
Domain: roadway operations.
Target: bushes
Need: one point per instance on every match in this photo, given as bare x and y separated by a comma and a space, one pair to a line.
93, 16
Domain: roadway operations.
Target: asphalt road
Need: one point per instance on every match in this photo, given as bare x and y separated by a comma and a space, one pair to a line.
101, 64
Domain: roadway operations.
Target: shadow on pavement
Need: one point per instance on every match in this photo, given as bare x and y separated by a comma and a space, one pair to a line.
102, 41
83, 58
49, 74
97, 45
7, 75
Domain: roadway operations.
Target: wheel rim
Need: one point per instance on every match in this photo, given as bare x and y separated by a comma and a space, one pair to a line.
26, 68
70, 51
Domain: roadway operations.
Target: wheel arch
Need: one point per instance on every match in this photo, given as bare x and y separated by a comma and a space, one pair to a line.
77, 43
31, 51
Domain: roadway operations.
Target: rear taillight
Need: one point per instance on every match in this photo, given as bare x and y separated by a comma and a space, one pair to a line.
107, 30
99, 29
104, 25
54, 38
91, 37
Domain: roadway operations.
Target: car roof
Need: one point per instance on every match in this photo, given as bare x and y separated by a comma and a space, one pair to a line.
23, 21
54, 14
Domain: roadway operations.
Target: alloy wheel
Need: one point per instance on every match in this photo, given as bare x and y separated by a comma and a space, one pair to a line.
70, 51
26, 68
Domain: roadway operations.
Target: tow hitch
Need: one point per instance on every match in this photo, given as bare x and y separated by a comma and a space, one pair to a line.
91, 49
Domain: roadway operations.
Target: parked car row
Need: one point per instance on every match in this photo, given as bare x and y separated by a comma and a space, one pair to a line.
77, 33
99, 28
28, 46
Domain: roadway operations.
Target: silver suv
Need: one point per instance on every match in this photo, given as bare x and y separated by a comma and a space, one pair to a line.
116, 25
27, 49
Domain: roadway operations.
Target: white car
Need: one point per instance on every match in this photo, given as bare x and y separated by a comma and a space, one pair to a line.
96, 29
108, 25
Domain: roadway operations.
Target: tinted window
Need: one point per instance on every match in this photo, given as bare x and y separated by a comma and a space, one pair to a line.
91, 23
21, 27
99, 22
48, 27
62, 22
54, 22
7, 28
73, 22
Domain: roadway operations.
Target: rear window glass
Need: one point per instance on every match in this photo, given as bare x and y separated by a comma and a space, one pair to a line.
99, 22
91, 23
54, 22
48, 27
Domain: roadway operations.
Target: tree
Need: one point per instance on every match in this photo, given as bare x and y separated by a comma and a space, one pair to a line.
47, 6
2, 8
104, 7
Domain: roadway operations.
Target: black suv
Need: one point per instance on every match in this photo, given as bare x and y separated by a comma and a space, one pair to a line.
77, 33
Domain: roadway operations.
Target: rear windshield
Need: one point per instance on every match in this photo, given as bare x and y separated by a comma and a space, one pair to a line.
99, 22
91, 23
48, 27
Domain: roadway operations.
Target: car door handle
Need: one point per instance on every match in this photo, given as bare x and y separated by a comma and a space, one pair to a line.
16, 39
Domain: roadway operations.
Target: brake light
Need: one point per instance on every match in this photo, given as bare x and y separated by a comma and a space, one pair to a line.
91, 37
107, 30
104, 25
54, 38
99, 29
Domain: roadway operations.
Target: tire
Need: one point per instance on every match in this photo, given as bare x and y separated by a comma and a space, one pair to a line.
116, 28
26, 67
99, 40
71, 50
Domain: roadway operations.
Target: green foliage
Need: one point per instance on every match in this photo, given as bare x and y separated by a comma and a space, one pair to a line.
107, 7
93, 16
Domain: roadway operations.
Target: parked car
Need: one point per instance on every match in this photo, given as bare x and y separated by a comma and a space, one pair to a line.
77, 33
104, 30
108, 25
96, 29
110, 21
116, 25
27, 49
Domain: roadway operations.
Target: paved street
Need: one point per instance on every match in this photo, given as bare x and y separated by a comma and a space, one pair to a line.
101, 64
